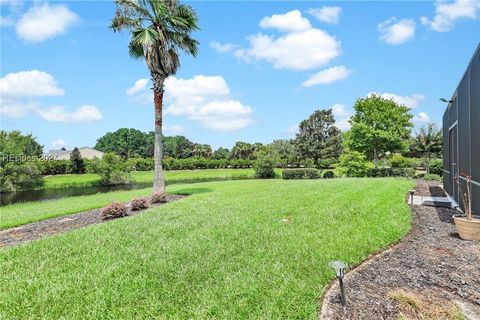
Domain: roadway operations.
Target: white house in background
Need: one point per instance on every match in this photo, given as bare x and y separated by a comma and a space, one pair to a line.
85, 152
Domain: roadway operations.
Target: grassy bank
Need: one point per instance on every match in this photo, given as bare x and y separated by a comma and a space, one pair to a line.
228, 252
174, 176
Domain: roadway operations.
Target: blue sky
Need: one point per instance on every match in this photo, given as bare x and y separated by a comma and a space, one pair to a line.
262, 67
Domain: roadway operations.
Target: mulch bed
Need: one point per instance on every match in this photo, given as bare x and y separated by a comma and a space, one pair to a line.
48, 227
432, 264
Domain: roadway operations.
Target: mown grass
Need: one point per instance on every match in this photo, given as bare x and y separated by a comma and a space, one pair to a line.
226, 252
174, 176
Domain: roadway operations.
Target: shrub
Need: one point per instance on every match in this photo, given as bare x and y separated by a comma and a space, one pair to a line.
141, 164
328, 174
139, 204
20, 176
300, 173
436, 167
399, 161
354, 164
264, 166
52, 167
113, 211
158, 197
431, 176
113, 170
390, 172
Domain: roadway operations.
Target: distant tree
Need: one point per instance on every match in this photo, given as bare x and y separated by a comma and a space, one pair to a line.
221, 153
428, 142
243, 150
202, 150
159, 30
18, 168
126, 143
15, 143
284, 149
77, 164
63, 149
183, 148
319, 139
378, 126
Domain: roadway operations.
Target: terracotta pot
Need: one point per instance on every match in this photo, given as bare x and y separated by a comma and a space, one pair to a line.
467, 229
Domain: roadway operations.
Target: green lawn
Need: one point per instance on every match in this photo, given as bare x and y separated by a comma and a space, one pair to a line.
222, 253
89, 179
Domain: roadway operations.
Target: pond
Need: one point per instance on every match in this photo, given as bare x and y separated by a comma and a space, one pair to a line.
51, 194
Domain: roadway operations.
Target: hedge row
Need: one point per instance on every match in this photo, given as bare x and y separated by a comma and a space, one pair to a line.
54, 167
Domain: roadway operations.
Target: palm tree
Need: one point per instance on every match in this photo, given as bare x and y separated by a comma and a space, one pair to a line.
159, 29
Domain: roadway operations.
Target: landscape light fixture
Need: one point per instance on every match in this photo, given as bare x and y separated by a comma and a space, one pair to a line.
445, 100
339, 267
411, 196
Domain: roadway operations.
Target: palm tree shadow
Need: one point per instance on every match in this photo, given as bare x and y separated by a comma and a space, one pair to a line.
190, 191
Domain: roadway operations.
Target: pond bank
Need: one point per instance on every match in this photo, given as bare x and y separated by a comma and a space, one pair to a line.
49, 227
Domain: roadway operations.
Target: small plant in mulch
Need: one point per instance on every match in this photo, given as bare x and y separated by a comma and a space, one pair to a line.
158, 197
113, 211
139, 204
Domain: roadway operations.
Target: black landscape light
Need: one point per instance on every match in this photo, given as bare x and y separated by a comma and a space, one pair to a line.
411, 196
445, 100
339, 267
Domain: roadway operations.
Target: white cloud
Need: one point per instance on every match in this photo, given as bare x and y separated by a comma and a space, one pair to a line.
16, 109
173, 130
326, 14
139, 85
85, 113
446, 13
301, 47
222, 47
33, 83
421, 117
289, 22
412, 101
341, 116
58, 144
43, 21
327, 76
6, 21
393, 32
206, 99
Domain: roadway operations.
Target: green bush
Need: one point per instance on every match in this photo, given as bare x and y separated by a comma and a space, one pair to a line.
436, 167
112, 170
390, 172
264, 166
354, 164
20, 176
431, 176
52, 167
141, 164
300, 173
399, 161
328, 174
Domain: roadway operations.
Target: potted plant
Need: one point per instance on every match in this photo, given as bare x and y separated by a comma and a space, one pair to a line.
467, 225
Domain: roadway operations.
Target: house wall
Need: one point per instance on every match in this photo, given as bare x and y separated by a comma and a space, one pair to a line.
464, 112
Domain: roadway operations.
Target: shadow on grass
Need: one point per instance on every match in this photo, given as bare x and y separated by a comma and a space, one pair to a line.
190, 191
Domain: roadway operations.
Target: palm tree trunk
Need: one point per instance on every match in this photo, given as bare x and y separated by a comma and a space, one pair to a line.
158, 182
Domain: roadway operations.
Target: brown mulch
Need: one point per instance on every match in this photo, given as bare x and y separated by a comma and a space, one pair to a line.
429, 188
48, 227
435, 272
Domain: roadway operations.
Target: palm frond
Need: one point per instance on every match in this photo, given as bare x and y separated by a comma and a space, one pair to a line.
184, 42
135, 7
